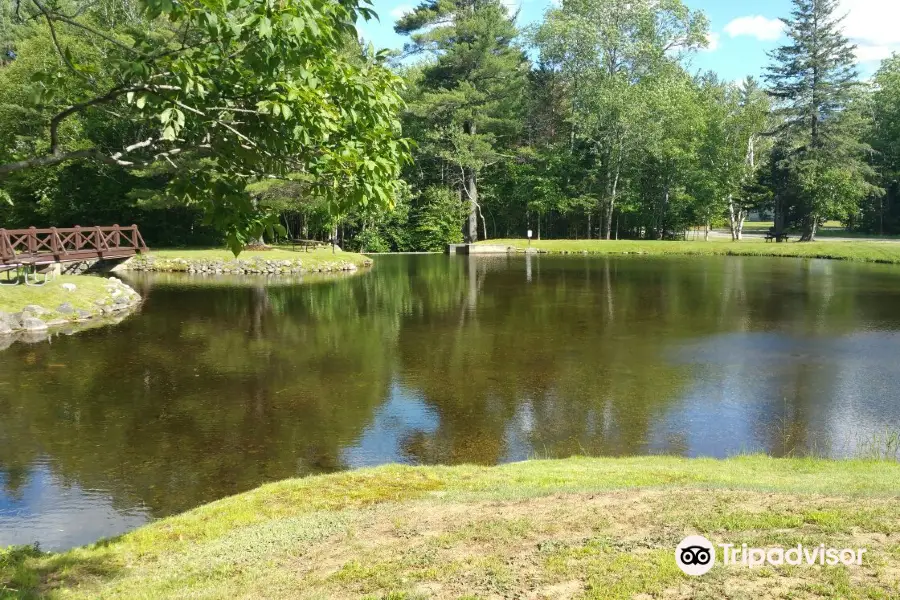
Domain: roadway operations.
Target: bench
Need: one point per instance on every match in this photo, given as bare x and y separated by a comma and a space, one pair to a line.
307, 244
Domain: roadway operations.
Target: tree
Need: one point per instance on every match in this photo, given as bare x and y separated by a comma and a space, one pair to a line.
736, 118
607, 50
470, 94
813, 78
221, 94
884, 214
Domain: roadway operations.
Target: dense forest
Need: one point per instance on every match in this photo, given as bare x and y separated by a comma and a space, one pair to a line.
203, 122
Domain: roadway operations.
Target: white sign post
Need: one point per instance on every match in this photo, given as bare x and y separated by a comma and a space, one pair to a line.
529, 238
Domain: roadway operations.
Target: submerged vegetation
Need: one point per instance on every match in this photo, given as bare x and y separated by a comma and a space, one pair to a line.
595, 528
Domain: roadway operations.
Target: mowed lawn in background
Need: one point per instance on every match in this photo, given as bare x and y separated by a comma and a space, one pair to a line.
582, 527
868, 251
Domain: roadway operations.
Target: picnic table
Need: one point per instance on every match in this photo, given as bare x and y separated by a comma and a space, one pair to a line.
778, 237
307, 244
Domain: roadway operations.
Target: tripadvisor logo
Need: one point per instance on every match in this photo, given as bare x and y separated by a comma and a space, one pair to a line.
696, 555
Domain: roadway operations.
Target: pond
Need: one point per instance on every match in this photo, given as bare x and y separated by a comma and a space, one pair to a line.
217, 386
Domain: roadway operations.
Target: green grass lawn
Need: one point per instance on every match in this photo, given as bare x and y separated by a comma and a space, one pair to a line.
582, 527
276, 253
90, 289
883, 252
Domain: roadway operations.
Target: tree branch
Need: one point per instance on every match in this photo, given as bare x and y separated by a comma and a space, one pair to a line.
49, 160
60, 117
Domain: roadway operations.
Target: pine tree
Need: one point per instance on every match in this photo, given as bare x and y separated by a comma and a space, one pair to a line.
813, 78
471, 94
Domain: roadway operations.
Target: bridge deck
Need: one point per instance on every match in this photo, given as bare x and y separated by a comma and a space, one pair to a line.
36, 247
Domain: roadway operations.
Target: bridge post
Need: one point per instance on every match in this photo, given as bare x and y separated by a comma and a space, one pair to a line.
32, 239
54, 243
79, 238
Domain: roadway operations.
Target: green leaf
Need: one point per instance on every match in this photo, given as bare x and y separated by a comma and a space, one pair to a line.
298, 25
264, 28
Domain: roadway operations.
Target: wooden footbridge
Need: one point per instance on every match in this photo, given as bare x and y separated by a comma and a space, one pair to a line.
33, 248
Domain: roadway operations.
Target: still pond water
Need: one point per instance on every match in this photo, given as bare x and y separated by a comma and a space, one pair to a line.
217, 386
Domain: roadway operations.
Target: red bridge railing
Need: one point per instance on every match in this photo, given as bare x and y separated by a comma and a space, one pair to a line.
43, 246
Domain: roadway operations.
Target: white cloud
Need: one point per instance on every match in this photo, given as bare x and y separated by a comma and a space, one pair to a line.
756, 26
511, 5
872, 26
401, 10
713, 40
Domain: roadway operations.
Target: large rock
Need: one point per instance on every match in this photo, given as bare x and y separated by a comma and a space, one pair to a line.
5, 329
69, 287
65, 309
36, 310
9, 320
33, 324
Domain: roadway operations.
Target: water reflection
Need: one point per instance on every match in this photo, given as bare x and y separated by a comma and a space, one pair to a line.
38, 506
214, 388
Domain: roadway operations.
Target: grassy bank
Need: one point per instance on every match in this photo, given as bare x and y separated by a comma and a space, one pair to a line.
89, 290
596, 528
282, 259
881, 252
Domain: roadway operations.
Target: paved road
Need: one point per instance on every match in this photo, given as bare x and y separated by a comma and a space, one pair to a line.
719, 234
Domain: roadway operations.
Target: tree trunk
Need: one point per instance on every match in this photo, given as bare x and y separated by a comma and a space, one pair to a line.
660, 231
260, 241
471, 187
612, 202
779, 214
706, 233
589, 224
810, 228
736, 218
539, 227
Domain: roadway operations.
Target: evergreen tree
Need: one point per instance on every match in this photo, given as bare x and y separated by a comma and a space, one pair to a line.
813, 78
471, 94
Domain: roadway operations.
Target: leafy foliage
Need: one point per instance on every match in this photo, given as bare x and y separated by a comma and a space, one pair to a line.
223, 94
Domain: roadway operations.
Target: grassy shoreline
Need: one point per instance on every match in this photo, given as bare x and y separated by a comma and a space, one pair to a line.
60, 302
89, 290
865, 251
581, 527
278, 260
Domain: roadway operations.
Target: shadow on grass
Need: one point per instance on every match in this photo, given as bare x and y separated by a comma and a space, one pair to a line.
28, 572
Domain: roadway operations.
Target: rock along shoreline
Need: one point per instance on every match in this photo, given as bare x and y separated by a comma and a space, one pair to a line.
257, 265
34, 322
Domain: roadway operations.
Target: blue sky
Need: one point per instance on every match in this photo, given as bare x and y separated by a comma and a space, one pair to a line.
741, 32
